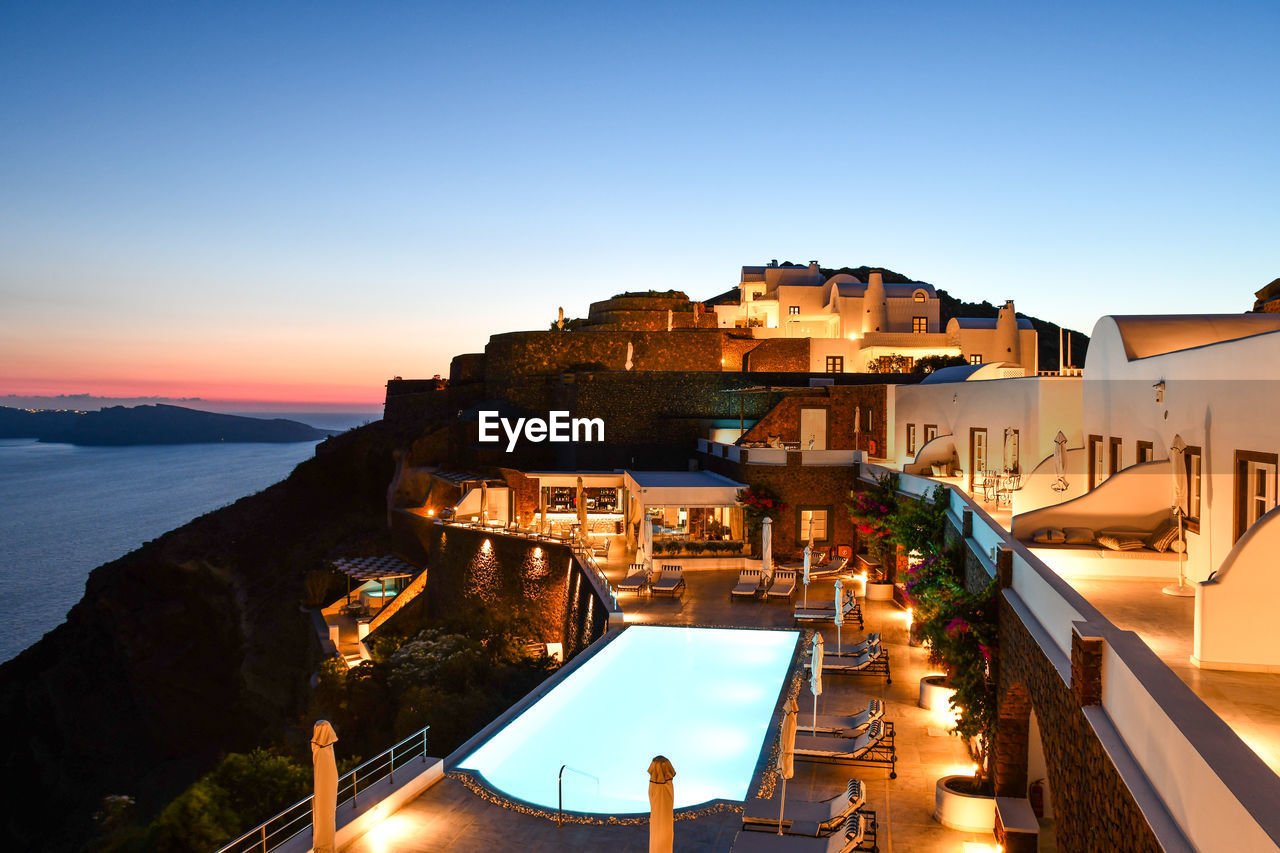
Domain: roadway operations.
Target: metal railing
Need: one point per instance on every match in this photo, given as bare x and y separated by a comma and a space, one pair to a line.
560, 789
296, 818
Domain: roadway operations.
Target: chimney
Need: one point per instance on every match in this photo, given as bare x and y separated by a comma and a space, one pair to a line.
773, 263
813, 265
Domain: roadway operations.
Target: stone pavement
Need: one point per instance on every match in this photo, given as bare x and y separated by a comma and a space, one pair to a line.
448, 817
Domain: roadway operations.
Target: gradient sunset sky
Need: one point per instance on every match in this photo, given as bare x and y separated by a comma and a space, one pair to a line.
296, 201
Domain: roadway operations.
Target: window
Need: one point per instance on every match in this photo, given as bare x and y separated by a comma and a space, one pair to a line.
1192, 457
835, 364
1145, 452
1096, 475
1116, 462
817, 516
920, 325
1255, 488
793, 309
918, 296
911, 438
975, 358
930, 432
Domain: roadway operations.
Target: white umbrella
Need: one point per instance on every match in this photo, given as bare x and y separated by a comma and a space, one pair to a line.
1177, 459
670, 319
662, 799
787, 754
630, 352
839, 611
857, 427
560, 319
484, 502
646, 540
1060, 461
582, 513
324, 805
542, 510
766, 545
808, 555
1010, 451
815, 673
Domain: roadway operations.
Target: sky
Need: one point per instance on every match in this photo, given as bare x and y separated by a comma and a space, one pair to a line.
294, 202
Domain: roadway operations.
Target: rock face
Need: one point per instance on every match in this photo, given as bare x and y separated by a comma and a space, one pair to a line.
191, 646
158, 424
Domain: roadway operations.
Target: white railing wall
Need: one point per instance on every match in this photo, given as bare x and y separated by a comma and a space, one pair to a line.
1199, 785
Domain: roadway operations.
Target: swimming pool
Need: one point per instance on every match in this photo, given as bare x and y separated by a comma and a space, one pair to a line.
703, 697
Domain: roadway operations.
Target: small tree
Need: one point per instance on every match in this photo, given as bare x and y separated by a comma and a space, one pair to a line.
930, 363
873, 511
759, 501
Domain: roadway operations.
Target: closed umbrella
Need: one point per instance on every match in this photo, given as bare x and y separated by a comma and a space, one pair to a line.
484, 503
815, 674
662, 799
1010, 451
766, 545
646, 539
630, 352
857, 427
542, 511
1177, 459
1060, 461
324, 804
787, 754
839, 611
808, 555
582, 513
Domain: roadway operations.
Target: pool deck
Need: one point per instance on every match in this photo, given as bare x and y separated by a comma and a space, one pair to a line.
448, 817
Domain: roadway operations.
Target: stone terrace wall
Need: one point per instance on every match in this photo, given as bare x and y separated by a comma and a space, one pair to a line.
514, 356
535, 585
840, 401
1093, 809
790, 355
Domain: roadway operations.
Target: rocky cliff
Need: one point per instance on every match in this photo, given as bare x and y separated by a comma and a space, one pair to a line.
189, 647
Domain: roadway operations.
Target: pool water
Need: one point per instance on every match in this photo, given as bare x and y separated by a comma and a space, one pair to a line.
703, 697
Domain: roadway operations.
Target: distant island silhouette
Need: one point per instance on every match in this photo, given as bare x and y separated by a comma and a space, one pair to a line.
120, 426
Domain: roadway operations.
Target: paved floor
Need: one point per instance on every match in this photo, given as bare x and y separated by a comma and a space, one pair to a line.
448, 817
1249, 702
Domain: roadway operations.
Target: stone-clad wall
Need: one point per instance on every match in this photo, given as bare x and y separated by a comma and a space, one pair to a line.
1093, 809
840, 401
534, 585
512, 356
787, 355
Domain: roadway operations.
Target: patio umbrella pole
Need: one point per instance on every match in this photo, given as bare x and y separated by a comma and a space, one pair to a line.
782, 806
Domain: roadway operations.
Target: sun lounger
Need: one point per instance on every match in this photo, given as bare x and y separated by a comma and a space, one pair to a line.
669, 582
748, 584
820, 613
853, 651
858, 832
874, 747
637, 578
874, 661
835, 725
802, 817
784, 584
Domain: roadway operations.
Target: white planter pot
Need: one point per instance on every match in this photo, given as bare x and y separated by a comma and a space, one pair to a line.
935, 696
965, 812
879, 592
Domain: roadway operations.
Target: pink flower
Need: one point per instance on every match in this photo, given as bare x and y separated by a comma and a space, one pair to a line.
957, 626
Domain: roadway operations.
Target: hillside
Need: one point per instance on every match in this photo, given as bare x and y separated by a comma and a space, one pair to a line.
158, 424
189, 647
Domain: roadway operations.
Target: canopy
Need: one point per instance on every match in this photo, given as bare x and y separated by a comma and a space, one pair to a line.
375, 568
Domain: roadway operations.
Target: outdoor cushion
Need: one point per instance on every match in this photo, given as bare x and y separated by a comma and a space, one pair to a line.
1049, 536
938, 471
1122, 543
1079, 535
1163, 537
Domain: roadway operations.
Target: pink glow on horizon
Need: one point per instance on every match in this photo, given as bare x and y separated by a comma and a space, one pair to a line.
225, 394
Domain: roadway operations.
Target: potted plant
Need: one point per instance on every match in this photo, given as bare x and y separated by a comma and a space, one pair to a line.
873, 511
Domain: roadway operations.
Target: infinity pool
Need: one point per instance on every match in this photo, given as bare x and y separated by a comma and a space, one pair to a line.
703, 697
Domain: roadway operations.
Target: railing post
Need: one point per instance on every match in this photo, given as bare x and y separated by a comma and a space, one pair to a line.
264, 838
392, 774
355, 789
424, 744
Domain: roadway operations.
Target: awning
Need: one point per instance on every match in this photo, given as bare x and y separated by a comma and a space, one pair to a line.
683, 488
375, 568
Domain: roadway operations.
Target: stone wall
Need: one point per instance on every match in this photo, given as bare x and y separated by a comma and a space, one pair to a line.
468, 367
512, 356
786, 355
841, 403
535, 586
1094, 815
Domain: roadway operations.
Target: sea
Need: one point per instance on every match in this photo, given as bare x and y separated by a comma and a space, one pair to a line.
64, 510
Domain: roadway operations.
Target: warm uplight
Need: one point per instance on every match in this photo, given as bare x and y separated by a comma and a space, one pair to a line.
980, 847
430, 513
853, 336
392, 834
909, 616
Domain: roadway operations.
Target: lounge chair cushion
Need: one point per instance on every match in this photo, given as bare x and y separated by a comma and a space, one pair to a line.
1079, 535
1119, 542
939, 471
1163, 537
1049, 536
